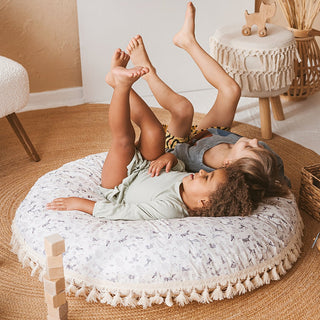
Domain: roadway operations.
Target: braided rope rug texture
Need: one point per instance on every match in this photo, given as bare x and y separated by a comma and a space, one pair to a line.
65, 134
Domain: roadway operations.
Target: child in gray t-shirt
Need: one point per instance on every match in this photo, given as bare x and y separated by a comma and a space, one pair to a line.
209, 145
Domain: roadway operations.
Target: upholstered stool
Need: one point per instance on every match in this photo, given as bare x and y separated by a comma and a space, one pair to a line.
262, 66
14, 95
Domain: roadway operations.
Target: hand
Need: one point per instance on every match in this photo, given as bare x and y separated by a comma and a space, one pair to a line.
63, 204
72, 203
167, 161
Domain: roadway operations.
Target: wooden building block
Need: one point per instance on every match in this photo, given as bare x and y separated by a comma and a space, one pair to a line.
54, 261
60, 312
54, 245
55, 286
55, 273
55, 300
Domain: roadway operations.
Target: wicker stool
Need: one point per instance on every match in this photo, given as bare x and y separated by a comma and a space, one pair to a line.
14, 95
262, 66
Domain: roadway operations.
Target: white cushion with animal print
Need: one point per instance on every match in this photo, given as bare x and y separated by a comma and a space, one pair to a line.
134, 263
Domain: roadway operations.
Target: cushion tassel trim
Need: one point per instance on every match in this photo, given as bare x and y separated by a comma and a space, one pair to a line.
217, 289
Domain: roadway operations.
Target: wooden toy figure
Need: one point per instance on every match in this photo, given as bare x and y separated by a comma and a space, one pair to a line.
260, 18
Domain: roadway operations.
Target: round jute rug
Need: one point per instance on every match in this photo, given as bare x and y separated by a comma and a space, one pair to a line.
64, 134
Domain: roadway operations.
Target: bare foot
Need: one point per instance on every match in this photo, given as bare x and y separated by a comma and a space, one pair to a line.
119, 59
126, 77
187, 33
138, 53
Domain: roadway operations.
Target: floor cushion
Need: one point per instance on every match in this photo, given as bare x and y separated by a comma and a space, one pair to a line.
134, 263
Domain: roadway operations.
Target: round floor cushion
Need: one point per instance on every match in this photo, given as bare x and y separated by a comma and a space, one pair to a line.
157, 261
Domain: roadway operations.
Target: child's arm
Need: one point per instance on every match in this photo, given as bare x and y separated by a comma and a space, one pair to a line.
167, 161
72, 203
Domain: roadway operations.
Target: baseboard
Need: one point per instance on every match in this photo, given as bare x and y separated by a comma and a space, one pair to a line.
201, 99
55, 98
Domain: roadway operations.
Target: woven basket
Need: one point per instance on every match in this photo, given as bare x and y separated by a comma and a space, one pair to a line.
307, 71
310, 190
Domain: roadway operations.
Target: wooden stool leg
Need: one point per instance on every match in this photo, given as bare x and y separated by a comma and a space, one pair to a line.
23, 137
265, 118
277, 108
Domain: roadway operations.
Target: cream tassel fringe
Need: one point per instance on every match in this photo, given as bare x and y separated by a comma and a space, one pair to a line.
275, 74
200, 293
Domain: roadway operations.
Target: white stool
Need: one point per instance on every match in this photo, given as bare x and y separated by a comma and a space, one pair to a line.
262, 66
14, 95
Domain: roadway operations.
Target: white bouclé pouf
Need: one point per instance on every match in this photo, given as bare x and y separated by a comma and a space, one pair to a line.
14, 86
134, 263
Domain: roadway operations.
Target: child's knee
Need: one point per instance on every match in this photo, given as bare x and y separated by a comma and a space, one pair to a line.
233, 89
184, 109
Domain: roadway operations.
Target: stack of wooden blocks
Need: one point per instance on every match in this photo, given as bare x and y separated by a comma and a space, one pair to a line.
54, 282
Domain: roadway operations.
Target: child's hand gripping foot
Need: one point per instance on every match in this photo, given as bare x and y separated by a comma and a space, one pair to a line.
119, 59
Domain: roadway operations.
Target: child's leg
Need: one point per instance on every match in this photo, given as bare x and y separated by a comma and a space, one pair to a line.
152, 137
123, 136
224, 108
180, 108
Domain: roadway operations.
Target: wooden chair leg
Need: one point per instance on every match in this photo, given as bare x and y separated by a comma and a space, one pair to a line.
23, 137
277, 108
265, 118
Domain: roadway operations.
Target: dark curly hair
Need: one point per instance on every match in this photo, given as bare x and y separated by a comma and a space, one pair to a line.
249, 181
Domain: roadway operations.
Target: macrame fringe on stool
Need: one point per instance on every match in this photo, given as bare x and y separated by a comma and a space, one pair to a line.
273, 73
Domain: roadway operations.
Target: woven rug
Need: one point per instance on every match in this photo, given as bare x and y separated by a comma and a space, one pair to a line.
65, 134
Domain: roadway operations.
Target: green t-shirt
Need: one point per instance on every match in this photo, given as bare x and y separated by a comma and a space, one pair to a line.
142, 197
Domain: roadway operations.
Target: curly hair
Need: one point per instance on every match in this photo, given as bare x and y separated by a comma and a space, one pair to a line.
249, 181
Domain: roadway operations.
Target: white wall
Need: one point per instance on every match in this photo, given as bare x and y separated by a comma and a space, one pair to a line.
105, 25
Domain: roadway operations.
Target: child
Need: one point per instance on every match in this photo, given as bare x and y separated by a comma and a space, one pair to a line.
130, 191
205, 146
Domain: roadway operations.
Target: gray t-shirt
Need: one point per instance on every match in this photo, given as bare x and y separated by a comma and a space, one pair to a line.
191, 153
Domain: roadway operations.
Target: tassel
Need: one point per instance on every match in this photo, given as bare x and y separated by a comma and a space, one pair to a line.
92, 296
257, 281
34, 269
287, 263
157, 299
195, 296
266, 279
41, 274
217, 293
81, 292
230, 291
181, 299
281, 269
116, 299
106, 297
291, 257
168, 301
144, 301
205, 297
240, 287
129, 300
274, 274
71, 288
248, 284
24, 261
